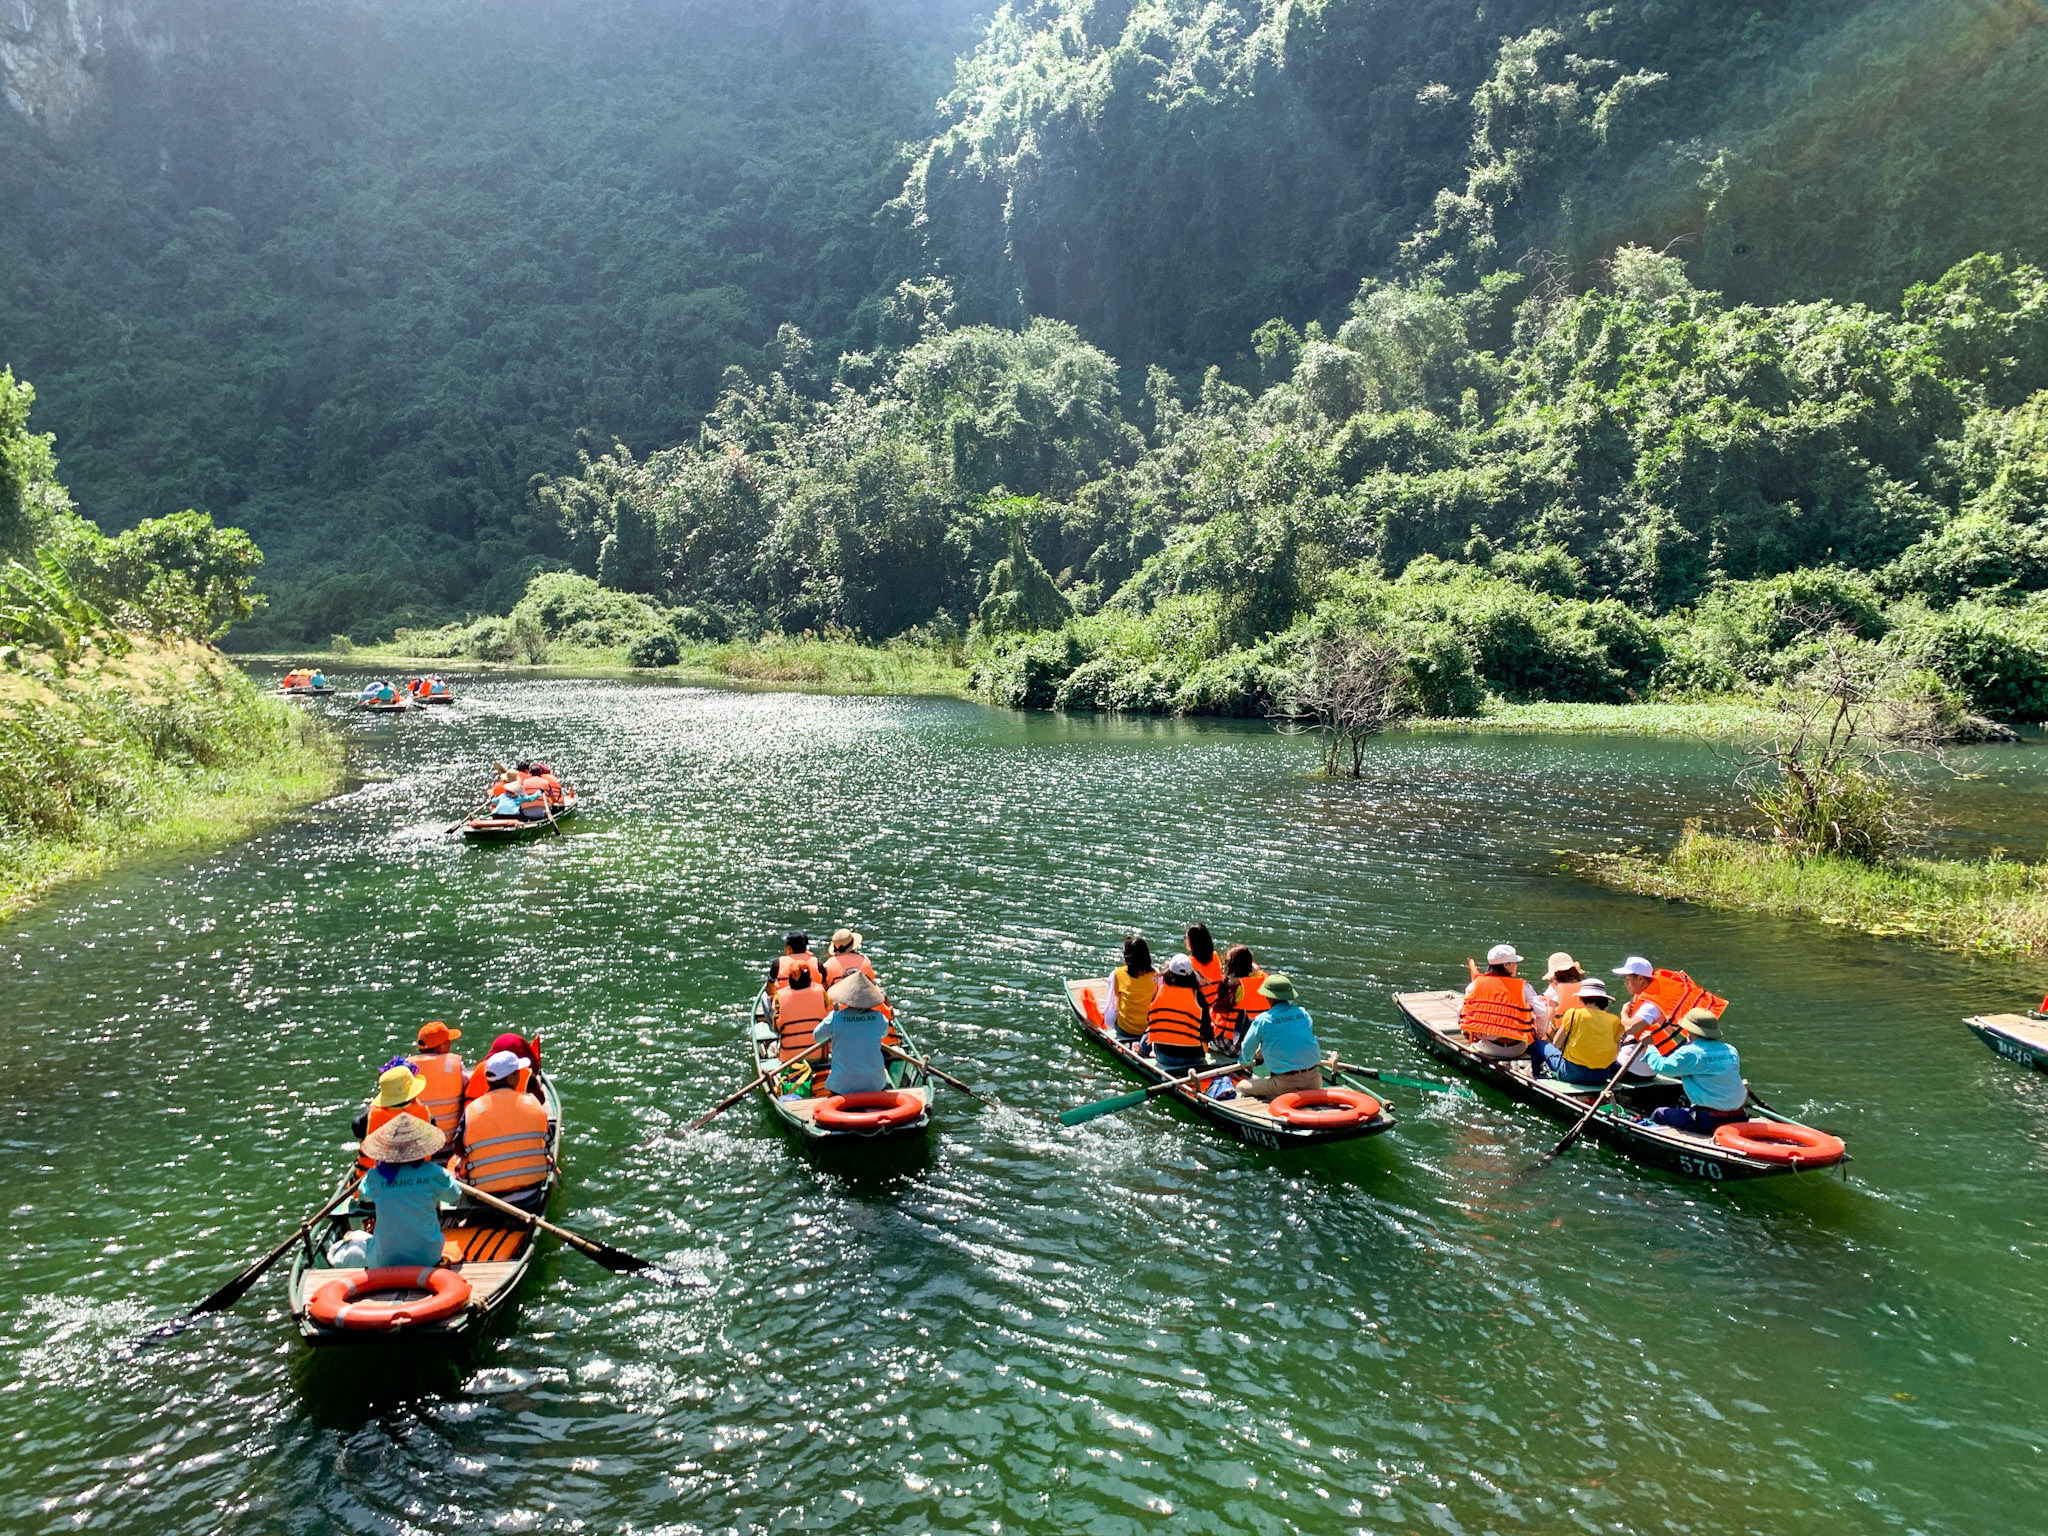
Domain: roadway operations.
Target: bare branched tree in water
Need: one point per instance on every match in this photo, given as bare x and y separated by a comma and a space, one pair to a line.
1352, 687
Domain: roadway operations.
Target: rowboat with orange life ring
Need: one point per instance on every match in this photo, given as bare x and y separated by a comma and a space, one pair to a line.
485, 1255
825, 1122
1757, 1148
1344, 1111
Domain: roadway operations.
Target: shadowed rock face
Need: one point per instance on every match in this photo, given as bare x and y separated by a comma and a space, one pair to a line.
51, 51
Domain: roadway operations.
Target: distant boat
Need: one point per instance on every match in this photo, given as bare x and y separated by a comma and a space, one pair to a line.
397, 706
2020, 1037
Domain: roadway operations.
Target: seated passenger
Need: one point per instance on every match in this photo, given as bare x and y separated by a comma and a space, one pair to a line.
505, 803
1208, 964
1239, 1000
533, 800
798, 1006
846, 957
317, 680
1131, 986
1177, 1027
856, 1026
1711, 1072
1502, 1015
1561, 978
1584, 1039
505, 1133
796, 956
1646, 1014
406, 1190
399, 1092
442, 1072
527, 1050
437, 688
1286, 1036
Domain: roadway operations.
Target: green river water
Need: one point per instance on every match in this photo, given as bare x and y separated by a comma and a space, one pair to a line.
1137, 1325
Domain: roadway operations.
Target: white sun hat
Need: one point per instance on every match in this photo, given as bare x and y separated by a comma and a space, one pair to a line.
1503, 954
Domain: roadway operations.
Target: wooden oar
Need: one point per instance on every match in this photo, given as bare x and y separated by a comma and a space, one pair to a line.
238, 1287
730, 1099
1572, 1135
617, 1260
1422, 1084
925, 1066
1082, 1113
500, 767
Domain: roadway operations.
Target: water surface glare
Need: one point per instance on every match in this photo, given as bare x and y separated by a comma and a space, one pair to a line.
1132, 1326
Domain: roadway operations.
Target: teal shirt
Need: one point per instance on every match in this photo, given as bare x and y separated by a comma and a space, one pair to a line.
1288, 1036
408, 1212
858, 1065
1709, 1069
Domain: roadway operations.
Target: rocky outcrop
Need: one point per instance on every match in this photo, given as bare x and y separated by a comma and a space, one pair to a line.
51, 51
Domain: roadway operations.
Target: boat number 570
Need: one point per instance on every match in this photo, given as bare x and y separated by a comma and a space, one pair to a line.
1698, 1167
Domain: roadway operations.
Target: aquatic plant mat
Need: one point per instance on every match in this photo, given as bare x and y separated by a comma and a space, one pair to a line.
1993, 906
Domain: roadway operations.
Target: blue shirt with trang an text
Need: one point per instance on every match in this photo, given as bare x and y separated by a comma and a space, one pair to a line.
1709, 1069
1287, 1035
408, 1211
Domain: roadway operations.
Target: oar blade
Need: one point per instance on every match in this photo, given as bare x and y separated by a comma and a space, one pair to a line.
1082, 1114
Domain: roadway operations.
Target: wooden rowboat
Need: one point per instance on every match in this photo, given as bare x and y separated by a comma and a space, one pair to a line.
497, 1250
397, 706
436, 698
799, 1115
306, 693
510, 829
2020, 1037
1433, 1019
1249, 1120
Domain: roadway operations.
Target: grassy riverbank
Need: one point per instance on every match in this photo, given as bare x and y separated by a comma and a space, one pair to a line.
1993, 907
163, 746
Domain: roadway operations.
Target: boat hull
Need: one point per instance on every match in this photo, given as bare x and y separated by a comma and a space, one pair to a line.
795, 1115
1249, 1120
503, 829
1432, 1018
304, 693
502, 1250
2015, 1036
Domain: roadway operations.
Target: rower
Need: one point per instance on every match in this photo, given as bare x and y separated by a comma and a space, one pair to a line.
1585, 1038
796, 956
1239, 1000
1286, 1036
1644, 1014
406, 1189
505, 1133
1502, 1016
1131, 988
856, 1026
799, 1006
846, 957
317, 680
1177, 1026
442, 1072
1711, 1072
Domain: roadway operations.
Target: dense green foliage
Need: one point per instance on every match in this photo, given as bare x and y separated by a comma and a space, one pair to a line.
351, 274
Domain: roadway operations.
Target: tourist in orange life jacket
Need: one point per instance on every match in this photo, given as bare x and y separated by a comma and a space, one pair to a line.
400, 1091
1240, 998
442, 1071
1177, 1026
518, 1045
1201, 953
796, 956
1502, 1016
1644, 1016
505, 1133
846, 957
799, 1004
1131, 986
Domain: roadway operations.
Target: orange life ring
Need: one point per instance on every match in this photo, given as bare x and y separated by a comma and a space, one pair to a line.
1774, 1141
339, 1303
1325, 1108
868, 1111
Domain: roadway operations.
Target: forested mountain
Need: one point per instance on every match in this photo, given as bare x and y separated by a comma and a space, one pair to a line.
365, 276
349, 273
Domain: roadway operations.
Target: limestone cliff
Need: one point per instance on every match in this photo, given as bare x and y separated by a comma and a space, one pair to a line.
51, 51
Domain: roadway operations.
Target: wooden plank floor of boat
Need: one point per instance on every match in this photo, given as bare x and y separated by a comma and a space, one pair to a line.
2018, 1025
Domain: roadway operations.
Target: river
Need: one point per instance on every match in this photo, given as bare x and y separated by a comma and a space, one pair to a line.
1136, 1325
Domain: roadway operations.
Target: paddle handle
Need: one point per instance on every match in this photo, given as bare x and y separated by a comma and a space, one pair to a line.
944, 1077
529, 1217
1123, 1101
1572, 1135
238, 1287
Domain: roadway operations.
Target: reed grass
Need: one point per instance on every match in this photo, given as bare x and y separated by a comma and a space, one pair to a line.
1994, 906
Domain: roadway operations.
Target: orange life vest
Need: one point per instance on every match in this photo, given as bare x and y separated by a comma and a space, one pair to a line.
479, 1085
1209, 977
837, 968
444, 1095
789, 965
1247, 999
1675, 994
1567, 997
1175, 1018
505, 1141
1497, 1008
797, 1012
379, 1113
